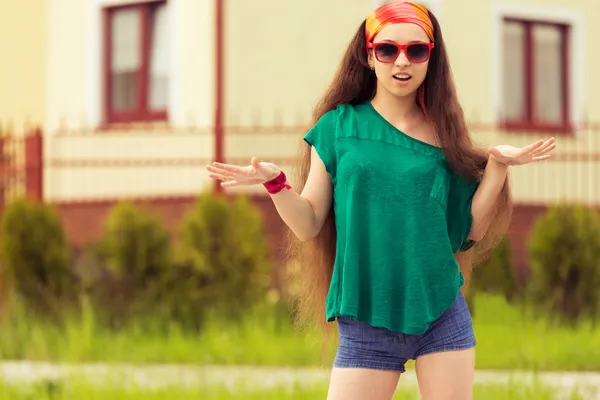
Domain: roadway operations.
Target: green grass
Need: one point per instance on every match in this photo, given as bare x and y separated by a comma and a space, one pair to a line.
77, 389
507, 339
264, 338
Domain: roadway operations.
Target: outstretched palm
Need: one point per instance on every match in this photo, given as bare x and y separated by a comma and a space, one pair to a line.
254, 174
509, 155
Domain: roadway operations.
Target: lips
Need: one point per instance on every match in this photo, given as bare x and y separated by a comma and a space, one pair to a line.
402, 77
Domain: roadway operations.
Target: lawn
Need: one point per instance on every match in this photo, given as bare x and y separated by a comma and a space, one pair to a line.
78, 389
507, 339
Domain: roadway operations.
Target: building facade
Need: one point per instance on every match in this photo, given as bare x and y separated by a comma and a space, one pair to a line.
23, 66
135, 97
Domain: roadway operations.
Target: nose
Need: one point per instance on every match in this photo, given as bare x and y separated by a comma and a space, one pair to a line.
402, 60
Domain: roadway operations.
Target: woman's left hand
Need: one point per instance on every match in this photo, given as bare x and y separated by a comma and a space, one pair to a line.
509, 155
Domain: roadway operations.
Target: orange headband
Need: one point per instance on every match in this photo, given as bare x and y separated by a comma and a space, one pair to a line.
398, 11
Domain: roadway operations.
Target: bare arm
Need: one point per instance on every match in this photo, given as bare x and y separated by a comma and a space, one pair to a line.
486, 196
494, 176
304, 213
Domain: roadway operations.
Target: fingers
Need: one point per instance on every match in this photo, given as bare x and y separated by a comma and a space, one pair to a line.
219, 171
220, 177
232, 169
220, 174
495, 152
231, 183
541, 158
544, 151
548, 146
532, 147
547, 143
232, 175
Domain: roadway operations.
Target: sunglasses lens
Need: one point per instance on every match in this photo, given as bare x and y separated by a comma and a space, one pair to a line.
386, 52
418, 52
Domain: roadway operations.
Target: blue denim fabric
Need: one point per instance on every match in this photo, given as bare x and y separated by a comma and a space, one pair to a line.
365, 346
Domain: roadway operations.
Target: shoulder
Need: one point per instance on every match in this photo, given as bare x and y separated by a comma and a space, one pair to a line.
339, 112
346, 111
334, 121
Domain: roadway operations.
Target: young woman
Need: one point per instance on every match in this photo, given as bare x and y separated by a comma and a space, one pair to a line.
393, 199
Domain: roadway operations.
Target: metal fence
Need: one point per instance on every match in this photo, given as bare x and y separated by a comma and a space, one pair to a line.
84, 173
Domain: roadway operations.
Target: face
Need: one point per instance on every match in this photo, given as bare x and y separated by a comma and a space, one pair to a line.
400, 73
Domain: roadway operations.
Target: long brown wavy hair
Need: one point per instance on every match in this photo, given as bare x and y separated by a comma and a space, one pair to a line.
355, 83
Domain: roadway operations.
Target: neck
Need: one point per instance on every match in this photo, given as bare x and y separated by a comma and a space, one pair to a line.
397, 110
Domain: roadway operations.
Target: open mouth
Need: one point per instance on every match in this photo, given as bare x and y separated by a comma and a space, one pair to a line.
402, 77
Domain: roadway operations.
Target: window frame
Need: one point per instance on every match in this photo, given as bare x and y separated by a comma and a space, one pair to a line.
529, 123
143, 113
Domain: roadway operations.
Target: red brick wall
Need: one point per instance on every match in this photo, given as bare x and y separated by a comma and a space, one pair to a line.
523, 219
83, 222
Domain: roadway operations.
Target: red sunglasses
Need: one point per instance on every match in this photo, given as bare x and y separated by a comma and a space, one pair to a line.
388, 52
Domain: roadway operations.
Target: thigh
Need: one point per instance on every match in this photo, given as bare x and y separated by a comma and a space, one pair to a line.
446, 375
446, 356
362, 383
363, 346
452, 331
368, 362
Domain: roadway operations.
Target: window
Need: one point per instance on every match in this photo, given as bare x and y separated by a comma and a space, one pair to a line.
535, 68
136, 62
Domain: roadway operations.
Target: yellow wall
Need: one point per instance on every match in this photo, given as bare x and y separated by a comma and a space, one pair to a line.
281, 55
74, 107
475, 63
279, 66
103, 166
279, 58
22, 62
68, 41
195, 66
469, 31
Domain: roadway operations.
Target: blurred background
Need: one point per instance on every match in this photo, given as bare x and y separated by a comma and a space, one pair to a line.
127, 273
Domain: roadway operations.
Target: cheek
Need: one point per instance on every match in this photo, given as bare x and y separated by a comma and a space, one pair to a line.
383, 70
419, 72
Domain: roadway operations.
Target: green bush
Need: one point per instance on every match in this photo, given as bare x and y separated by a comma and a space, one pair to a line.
35, 259
223, 255
497, 275
565, 262
135, 253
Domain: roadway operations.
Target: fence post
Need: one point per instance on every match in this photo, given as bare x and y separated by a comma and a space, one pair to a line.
34, 172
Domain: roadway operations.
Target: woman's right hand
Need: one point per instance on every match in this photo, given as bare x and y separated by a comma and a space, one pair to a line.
256, 173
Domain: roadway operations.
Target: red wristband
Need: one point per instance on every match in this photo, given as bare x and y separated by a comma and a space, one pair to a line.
276, 185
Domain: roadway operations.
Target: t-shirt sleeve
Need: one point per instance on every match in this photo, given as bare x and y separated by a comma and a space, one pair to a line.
322, 137
460, 219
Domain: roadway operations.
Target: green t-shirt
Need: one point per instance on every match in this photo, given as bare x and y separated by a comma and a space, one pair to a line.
400, 215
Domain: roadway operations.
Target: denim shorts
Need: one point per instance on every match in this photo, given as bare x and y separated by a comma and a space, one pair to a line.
365, 346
